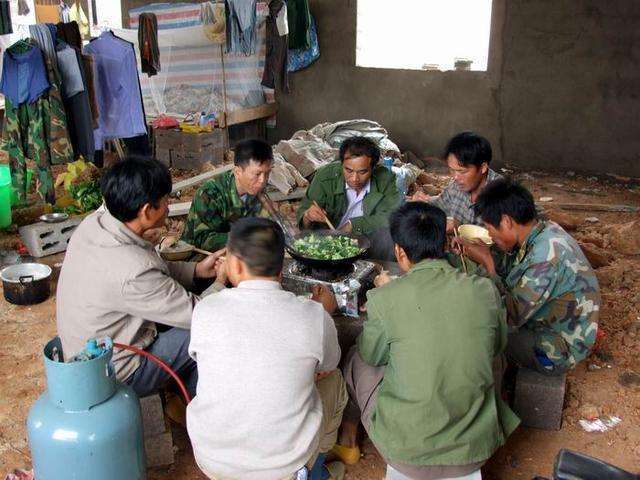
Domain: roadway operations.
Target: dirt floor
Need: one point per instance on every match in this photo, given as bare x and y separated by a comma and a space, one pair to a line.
604, 382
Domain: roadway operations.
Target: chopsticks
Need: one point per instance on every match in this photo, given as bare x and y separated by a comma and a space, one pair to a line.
464, 263
326, 219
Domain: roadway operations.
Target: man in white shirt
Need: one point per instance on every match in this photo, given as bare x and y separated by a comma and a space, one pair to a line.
259, 413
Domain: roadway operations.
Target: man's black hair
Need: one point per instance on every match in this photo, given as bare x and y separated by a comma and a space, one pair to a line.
130, 184
505, 197
469, 148
256, 150
259, 243
359, 147
420, 229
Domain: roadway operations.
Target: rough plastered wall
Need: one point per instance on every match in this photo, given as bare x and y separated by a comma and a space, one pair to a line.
570, 91
421, 110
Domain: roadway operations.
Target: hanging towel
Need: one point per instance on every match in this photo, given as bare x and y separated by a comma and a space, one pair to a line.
65, 12
241, 26
47, 14
275, 65
299, 17
70, 34
5, 18
148, 43
23, 8
213, 21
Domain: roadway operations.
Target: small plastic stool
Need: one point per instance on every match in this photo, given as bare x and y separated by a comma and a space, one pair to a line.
393, 474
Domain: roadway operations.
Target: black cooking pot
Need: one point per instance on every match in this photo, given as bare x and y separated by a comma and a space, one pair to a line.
344, 264
26, 283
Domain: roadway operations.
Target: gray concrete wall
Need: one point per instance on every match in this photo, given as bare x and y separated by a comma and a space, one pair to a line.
420, 109
570, 86
561, 91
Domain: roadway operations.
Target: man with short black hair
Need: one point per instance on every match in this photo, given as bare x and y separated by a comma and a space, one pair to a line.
468, 156
420, 378
356, 195
113, 283
230, 196
258, 412
551, 291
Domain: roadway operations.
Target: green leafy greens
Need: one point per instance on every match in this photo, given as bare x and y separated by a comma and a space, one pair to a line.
327, 247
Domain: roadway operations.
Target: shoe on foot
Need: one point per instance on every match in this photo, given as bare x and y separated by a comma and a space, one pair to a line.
336, 470
349, 455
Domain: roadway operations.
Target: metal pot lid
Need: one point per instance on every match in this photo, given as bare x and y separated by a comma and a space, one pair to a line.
13, 273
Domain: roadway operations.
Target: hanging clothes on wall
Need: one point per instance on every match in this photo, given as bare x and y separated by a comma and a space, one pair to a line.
241, 26
30, 125
213, 21
5, 18
275, 66
117, 89
148, 43
76, 14
70, 34
299, 17
47, 13
76, 101
41, 33
65, 12
87, 63
23, 8
56, 130
302, 58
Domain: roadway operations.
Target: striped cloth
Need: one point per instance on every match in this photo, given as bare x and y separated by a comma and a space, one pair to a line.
191, 77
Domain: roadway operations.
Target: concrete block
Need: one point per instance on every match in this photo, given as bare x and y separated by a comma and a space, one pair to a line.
159, 450
42, 239
153, 422
539, 399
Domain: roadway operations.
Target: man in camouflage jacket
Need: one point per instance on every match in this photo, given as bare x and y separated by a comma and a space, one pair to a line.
220, 202
550, 290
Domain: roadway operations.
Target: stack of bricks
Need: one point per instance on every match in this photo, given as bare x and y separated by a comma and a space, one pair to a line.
158, 441
42, 239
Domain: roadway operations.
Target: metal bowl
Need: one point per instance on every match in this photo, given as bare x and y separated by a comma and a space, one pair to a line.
54, 217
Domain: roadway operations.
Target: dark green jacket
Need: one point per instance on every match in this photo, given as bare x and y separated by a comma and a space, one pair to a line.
437, 331
328, 189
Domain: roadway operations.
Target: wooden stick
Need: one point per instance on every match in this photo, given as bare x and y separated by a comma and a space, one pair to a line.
464, 264
326, 219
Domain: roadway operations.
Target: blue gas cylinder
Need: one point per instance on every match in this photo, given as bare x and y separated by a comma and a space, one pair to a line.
86, 425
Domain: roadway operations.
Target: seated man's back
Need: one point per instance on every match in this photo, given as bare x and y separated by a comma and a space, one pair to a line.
257, 412
437, 331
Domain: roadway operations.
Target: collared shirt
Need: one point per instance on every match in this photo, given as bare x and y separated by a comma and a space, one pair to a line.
117, 89
437, 404
551, 289
257, 413
457, 204
215, 207
354, 202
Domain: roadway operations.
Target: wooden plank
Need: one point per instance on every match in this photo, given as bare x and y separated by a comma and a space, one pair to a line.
595, 207
182, 208
248, 114
278, 196
190, 182
177, 209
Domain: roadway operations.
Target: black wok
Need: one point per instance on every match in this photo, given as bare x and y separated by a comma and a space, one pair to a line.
328, 265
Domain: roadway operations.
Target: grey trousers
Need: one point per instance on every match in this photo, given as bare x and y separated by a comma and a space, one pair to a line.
172, 347
521, 346
363, 383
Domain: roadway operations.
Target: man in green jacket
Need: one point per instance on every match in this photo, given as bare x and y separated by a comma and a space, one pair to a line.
421, 377
356, 195
232, 195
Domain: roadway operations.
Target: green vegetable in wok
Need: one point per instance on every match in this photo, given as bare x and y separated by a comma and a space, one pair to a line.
327, 247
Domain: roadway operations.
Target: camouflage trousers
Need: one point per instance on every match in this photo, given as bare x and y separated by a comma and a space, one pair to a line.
24, 137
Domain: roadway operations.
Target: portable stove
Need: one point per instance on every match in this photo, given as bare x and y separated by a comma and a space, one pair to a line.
350, 287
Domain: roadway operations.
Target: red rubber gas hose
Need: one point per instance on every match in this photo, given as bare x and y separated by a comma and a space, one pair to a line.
164, 366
